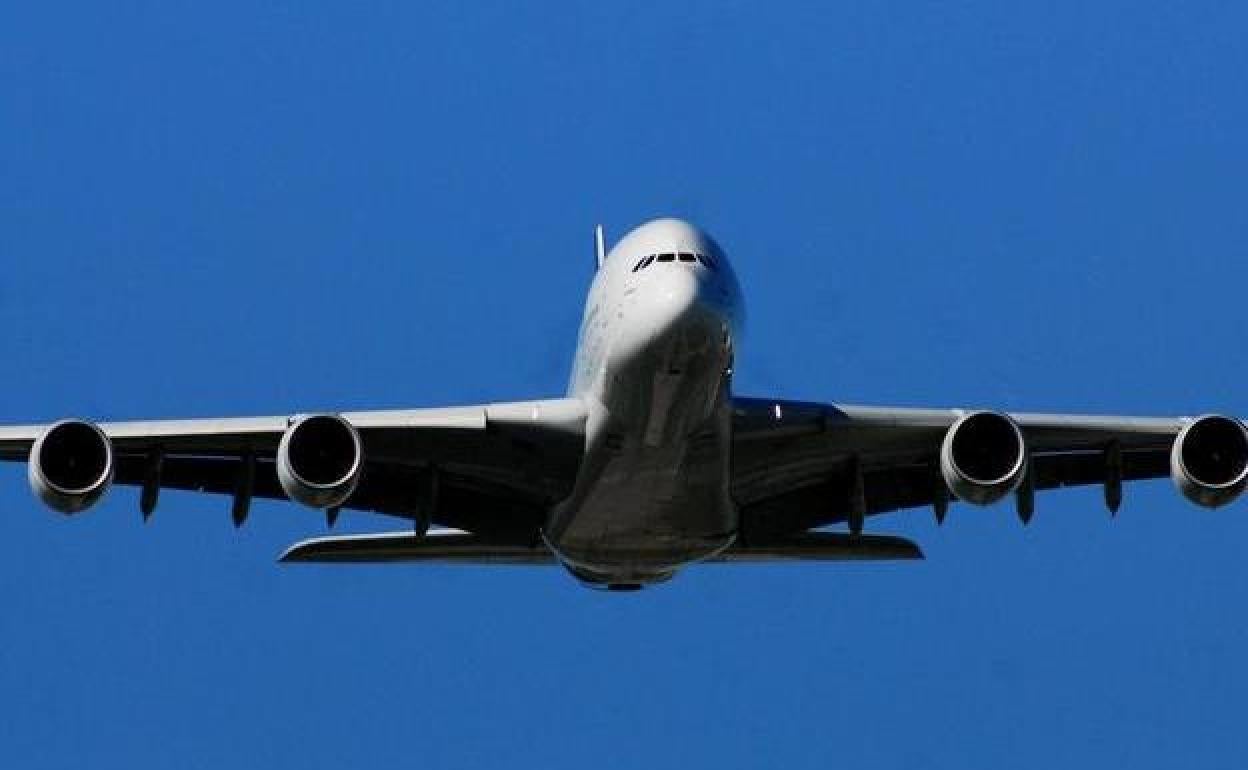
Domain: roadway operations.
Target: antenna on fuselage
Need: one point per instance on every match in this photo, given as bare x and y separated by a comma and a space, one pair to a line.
600, 246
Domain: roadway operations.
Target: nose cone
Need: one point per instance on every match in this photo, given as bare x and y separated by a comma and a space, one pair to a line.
676, 305
672, 317
677, 296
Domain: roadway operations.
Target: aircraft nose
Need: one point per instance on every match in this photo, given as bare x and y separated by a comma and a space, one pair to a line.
678, 295
678, 307
674, 327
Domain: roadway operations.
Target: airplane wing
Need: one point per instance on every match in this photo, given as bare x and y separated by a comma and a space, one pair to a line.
801, 465
491, 471
496, 467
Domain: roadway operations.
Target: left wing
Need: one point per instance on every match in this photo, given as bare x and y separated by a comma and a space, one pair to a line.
490, 469
801, 465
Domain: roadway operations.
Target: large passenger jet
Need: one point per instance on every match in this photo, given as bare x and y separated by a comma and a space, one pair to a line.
648, 464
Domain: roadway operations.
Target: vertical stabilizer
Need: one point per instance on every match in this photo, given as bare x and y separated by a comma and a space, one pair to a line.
600, 247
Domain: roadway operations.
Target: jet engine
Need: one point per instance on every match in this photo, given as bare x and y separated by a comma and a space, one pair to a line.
71, 466
1209, 460
319, 460
983, 457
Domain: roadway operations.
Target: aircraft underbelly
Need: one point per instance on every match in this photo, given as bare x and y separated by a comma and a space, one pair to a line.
653, 493
650, 508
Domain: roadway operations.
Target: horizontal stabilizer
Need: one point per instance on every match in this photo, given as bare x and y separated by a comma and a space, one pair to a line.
823, 546
444, 546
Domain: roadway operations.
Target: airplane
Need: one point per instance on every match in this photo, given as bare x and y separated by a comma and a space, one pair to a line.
649, 464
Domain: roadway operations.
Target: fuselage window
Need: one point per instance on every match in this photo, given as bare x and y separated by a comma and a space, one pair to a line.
704, 259
647, 262
667, 257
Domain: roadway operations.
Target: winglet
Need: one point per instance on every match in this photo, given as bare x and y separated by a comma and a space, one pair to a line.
600, 246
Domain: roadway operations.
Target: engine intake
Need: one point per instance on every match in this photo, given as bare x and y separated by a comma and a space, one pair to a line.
1209, 460
319, 460
983, 457
71, 466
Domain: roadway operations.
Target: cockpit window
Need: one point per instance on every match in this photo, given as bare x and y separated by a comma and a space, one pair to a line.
643, 263
679, 256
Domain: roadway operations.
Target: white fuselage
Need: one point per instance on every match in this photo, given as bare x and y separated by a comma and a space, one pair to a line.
653, 364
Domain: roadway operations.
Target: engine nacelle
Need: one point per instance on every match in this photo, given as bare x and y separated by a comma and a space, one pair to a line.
319, 460
1209, 460
983, 457
71, 466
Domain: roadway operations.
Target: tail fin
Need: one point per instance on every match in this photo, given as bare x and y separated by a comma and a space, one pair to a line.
600, 246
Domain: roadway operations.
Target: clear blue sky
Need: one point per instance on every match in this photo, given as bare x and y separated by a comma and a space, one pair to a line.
209, 208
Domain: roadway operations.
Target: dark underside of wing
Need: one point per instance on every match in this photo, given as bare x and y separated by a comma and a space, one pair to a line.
492, 470
894, 487
505, 508
508, 508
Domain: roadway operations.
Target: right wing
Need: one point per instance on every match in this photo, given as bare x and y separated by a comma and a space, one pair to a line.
498, 466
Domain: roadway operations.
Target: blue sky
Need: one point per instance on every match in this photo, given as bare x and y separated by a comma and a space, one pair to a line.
223, 209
